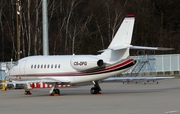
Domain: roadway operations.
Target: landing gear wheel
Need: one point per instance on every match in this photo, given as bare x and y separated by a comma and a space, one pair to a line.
95, 90
56, 92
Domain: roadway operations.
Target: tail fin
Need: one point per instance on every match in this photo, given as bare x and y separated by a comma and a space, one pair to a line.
124, 34
119, 46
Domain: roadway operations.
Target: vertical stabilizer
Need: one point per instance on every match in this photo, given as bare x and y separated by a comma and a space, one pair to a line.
119, 47
124, 34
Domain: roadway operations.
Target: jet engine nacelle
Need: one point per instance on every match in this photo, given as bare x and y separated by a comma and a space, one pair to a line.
86, 63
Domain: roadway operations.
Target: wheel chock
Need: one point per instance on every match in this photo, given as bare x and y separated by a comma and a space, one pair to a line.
56, 94
99, 92
53, 94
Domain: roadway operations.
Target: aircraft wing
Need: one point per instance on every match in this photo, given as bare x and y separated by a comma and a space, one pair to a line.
136, 78
21, 82
52, 80
42, 80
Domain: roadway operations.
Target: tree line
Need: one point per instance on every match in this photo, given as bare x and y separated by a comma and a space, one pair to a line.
86, 26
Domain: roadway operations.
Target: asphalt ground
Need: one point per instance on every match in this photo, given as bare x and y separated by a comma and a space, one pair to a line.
116, 98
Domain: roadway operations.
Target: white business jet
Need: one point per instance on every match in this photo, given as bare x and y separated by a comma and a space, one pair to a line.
73, 69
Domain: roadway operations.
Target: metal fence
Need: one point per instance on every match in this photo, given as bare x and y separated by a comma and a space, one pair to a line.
167, 62
157, 64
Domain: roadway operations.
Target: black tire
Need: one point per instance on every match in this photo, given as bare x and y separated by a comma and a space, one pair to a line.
58, 91
93, 90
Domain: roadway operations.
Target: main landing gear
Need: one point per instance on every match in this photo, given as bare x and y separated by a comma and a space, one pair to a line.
54, 91
96, 89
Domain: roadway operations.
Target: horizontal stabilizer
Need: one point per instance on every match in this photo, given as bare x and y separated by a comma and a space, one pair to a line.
151, 48
137, 47
116, 48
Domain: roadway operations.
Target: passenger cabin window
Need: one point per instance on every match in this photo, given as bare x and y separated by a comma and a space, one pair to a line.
46, 66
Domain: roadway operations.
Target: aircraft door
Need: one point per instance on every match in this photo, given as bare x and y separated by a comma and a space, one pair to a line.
22, 67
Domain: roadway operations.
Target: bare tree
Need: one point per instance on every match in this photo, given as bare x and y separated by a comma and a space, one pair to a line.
37, 29
2, 30
29, 28
79, 27
73, 4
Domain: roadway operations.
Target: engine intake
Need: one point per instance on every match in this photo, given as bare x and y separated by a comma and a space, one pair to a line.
100, 63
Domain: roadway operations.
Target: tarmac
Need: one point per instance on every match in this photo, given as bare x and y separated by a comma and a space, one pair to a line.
116, 98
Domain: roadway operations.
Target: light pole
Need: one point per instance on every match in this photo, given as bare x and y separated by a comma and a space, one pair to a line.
45, 28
